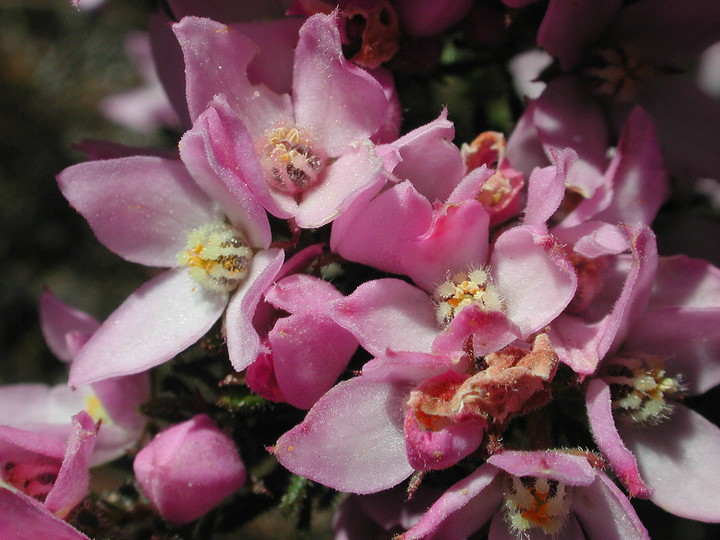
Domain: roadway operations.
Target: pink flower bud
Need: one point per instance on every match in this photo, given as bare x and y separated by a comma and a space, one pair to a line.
189, 469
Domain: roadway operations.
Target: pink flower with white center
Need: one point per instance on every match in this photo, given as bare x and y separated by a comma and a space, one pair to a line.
112, 402
664, 347
532, 495
188, 469
305, 155
175, 214
414, 411
306, 351
47, 468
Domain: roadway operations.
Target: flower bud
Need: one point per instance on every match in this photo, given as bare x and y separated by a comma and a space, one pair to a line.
189, 469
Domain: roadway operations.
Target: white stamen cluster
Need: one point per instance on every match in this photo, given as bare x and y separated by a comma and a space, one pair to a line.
217, 255
533, 502
640, 386
462, 290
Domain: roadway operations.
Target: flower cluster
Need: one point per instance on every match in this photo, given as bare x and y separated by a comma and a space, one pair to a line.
464, 337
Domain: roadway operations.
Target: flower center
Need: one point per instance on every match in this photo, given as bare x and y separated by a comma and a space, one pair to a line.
462, 290
290, 159
217, 256
639, 387
536, 502
614, 73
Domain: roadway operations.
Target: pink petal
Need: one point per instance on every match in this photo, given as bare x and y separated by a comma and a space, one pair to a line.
73, 479
457, 241
557, 465
569, 26
142, 207
158, 321
351, 440
408, 369
490, 331
533, 276
309, 353
388, 313
237, 201
608, 439
524, 148
301, 293
637, 174
231, 52
242, 338
698, 288
58, 319
377, 235
546, 188
21, 444
23, 518
429, 17
463, 508
679, 459
436, 178
594, 239
689, 340
326, 86
605, 512
358, 170
231, 148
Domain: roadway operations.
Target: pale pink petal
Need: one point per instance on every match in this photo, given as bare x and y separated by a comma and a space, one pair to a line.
594, 239
557, 465
309, 353
21, 445
351, 440
490, 331
231, 148
377, 235
698, 288
532, 276
457, 241
73, 480
679, 459
388, 313
524, 149
197, 150
569, 26
605, 512
142, 207
230, 51
242, 338
301, 293
58, 319
637, 174
389, 130
463, 508
158, 321
566, 116
358, 170
409, 369
434, 178
525, 69
608, 439
688, 340
328, 87
470, 185
546, 188
23, 518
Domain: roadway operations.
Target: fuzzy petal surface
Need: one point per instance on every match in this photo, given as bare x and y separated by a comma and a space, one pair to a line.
533, 277
679, 460
388, 313
141, 207
336, 101
23, 518
463, 509
158, 321
242, 338
351, 440
608, 439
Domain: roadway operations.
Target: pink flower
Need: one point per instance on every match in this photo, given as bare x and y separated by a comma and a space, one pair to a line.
665, 348
306, 351
306, 155
23, 518
167, 213
532, 493
189, 469
48, 468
